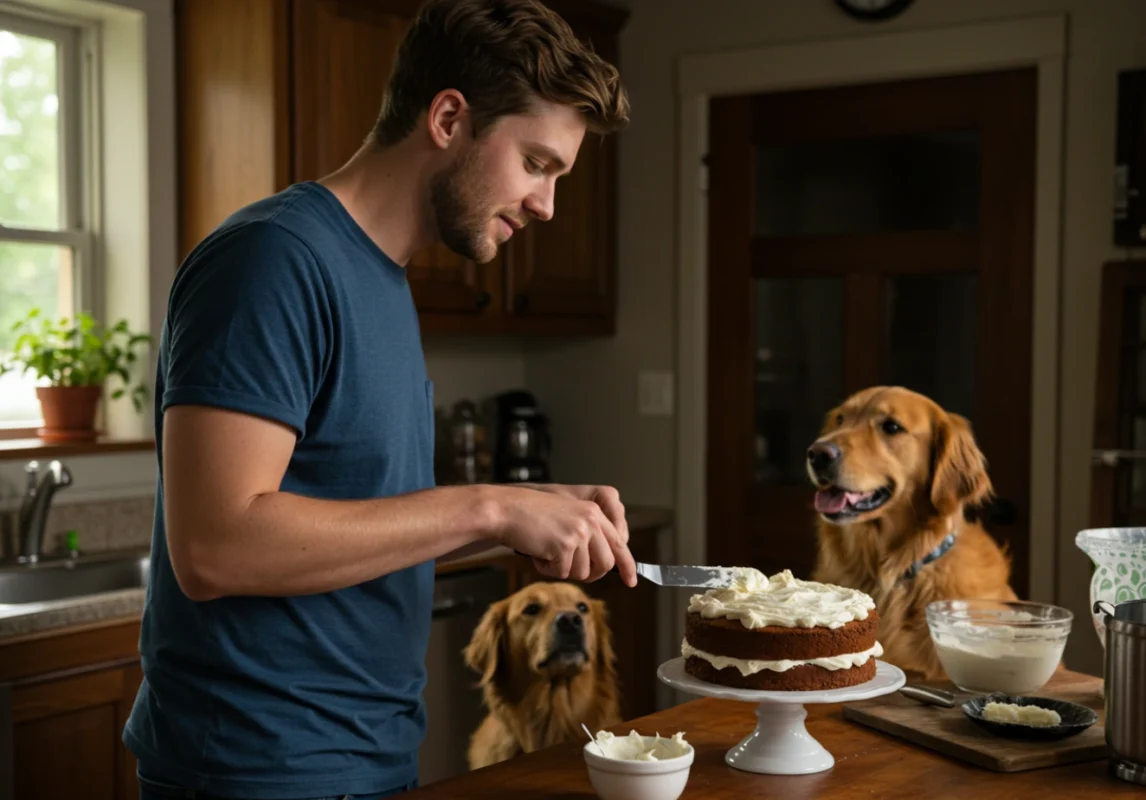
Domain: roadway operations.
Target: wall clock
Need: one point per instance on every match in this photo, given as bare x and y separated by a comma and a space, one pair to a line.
874, 10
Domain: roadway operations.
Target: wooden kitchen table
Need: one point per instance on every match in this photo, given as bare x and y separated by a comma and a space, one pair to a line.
868, 764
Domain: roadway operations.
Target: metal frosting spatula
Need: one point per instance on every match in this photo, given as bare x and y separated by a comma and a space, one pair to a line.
696, 577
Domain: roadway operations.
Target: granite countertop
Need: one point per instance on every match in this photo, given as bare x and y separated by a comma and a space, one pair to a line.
29, 618
127, 604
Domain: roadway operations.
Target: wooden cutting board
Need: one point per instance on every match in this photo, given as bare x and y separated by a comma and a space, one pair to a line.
950, 732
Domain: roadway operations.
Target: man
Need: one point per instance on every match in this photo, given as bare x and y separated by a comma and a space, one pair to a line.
297, 523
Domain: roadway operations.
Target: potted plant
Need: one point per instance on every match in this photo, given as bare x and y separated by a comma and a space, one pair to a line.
76, 358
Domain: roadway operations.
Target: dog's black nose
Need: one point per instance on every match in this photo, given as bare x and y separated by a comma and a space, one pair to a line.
822, 456
569, 622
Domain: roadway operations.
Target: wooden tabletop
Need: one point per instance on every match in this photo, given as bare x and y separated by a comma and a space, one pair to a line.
868, 764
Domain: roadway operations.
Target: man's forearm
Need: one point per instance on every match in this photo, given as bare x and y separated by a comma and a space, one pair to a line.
285, 544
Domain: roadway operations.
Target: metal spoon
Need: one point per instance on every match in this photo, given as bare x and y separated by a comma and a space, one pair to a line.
591, 739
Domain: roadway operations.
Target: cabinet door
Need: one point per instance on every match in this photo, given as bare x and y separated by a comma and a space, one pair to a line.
232, 80
565, 267
343, 53
66, 737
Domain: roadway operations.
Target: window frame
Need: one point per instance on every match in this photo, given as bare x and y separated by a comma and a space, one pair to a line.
79, 165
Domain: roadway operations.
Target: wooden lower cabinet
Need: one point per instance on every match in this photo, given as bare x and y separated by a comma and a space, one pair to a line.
67, 703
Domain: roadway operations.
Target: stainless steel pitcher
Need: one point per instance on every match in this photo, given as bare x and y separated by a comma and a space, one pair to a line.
1125, 678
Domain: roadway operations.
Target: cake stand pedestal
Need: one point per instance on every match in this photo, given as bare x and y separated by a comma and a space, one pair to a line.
781, 745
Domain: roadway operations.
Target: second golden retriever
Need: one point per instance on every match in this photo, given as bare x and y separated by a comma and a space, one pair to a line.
894, 473
546, 660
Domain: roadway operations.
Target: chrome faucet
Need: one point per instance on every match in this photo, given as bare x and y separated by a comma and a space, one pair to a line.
34, 509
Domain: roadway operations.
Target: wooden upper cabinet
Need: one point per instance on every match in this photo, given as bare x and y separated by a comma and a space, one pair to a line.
344, 53
566, 267
274, 92
232, 112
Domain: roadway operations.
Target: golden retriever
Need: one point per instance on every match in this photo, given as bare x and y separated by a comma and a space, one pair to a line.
894, 472
546, 660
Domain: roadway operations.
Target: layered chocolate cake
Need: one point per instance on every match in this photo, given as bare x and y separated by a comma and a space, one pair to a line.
781, 633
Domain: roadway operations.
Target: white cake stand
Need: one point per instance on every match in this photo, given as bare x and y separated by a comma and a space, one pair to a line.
781, 745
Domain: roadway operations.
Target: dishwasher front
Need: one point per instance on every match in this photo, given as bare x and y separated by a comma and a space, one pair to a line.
453, 700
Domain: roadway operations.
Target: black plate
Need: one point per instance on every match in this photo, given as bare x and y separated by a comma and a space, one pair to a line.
1075, 718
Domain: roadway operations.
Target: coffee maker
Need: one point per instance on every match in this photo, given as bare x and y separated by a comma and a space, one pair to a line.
520, 435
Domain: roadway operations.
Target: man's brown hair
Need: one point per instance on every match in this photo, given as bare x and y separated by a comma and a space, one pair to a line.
501, 55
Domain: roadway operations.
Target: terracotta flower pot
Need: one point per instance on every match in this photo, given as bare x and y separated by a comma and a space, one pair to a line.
69, 412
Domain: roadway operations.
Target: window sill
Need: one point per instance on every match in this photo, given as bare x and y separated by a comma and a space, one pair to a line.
37, 448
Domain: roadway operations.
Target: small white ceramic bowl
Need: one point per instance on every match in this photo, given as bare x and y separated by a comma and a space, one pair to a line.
614, 779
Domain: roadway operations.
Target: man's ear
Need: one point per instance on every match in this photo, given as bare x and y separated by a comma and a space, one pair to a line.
958, 467
483, 653
447, 117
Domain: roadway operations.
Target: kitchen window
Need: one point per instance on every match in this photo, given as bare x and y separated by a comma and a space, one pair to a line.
47, 179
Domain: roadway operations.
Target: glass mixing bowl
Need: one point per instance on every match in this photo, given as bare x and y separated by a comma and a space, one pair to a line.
998, 646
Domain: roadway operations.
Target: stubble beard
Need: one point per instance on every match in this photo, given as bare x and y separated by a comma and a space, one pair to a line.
462, 210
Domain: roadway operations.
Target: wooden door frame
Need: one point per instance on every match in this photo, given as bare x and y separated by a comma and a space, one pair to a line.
1039, 42
998, 106
1117, 277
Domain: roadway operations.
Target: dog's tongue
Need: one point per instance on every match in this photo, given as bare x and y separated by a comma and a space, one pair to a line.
834, 500
831, 501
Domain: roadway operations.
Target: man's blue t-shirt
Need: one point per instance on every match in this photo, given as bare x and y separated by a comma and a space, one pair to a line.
289, 311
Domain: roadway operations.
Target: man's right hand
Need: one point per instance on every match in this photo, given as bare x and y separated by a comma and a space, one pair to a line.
565, 536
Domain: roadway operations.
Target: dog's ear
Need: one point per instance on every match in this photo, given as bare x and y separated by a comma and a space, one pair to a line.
828, 423
483, 653
958, 467
606, 656
607, 687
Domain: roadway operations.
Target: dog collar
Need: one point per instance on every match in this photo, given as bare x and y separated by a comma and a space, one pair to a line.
938, 552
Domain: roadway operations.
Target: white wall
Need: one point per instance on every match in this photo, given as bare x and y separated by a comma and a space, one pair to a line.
637, 453
472, 368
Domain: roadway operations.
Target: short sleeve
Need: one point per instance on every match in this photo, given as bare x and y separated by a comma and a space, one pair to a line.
249, 326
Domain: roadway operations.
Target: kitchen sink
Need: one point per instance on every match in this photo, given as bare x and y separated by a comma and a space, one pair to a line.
64, 579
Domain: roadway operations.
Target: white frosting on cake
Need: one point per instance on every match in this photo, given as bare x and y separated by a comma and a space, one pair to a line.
750, 666
758, 601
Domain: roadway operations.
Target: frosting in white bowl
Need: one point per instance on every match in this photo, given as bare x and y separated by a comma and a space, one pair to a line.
635, 747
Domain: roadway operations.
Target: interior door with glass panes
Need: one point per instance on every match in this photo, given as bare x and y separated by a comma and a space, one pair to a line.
857, 236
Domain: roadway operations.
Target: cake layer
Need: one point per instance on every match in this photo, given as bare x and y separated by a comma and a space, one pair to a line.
747, 666
728, 637
798, 679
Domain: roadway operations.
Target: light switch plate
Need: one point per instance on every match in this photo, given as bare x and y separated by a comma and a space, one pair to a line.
655, 393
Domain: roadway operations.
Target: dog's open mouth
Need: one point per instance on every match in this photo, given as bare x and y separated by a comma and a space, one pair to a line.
835, 502
564, 658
